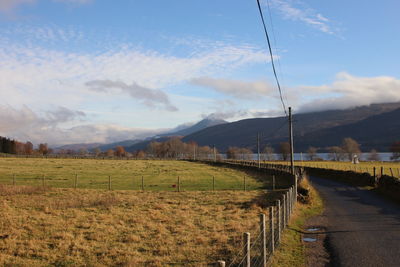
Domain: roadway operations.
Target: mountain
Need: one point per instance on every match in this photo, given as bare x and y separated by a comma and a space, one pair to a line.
375, 132
125, 143
310, 129
77, 147
203, 124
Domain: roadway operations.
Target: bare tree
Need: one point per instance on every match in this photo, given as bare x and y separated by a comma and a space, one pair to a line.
336, 153
28, 148
312, 153
43, 149
284, 150
351, 148
395, 149
120, 151
374, 156
232, 153
268, 153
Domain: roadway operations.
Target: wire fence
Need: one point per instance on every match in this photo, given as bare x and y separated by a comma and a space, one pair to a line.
257, 250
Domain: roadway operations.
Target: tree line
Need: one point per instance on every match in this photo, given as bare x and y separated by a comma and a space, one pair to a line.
11, 146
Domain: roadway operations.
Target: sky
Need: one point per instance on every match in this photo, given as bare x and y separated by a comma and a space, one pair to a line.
85, 71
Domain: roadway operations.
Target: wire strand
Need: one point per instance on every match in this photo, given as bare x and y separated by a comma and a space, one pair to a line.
272, 57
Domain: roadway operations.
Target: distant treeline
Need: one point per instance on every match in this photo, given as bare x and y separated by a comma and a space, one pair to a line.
11, 146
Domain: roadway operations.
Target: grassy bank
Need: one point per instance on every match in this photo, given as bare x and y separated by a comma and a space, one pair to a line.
389, 168
67, 227
158, 175
291, 251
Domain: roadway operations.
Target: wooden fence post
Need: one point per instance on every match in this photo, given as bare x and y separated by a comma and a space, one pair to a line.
244, 183
391, 172
263, 239
382, 171
272, 226
142, 183
284, 212
278, 220
246, 239
109, 182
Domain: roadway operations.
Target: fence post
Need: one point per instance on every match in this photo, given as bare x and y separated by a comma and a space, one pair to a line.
179, 184
221, 264
213, 183
391, 172
284, 211
273, 182
375, 179
109, 182
244, 183
382, 171
272, 226
142, 183
14, 179
246, 239
263, 240
278, 221
288, 208
289, 202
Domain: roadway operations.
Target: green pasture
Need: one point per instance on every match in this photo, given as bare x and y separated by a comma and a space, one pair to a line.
158, 175
389, 168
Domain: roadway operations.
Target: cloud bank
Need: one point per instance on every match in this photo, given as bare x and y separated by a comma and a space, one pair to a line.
149, 97
236, 88
350, 91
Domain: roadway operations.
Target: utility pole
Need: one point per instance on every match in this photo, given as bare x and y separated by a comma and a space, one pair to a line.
292, 150
258, 150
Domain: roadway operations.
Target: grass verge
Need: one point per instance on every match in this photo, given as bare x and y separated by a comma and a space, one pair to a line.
291, 251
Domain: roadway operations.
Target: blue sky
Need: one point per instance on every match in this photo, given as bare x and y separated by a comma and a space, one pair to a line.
76, 71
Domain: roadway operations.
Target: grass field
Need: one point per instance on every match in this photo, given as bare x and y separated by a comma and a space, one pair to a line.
42, 226
364, 166
158, 175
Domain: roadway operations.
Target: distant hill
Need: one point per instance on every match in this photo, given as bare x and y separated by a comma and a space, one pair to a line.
125, 143
375, 132
77, 147
203, 124
310, 129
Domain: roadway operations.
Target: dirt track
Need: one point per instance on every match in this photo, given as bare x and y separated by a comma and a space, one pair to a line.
362, 227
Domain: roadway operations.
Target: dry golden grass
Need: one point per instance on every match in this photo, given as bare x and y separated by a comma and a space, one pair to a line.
67, 227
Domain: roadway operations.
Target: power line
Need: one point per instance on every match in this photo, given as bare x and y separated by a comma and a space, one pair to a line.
272, 57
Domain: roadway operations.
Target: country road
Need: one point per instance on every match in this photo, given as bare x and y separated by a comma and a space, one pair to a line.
362, 227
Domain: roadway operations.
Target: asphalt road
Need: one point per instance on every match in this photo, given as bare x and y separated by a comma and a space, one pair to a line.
362, 227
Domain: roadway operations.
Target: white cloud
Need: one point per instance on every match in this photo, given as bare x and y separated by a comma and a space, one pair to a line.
49, 76
24, 124
149, 97
9, 5
306, 15
350, 91
236, 88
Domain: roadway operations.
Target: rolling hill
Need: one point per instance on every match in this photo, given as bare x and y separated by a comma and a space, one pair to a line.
320, 129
